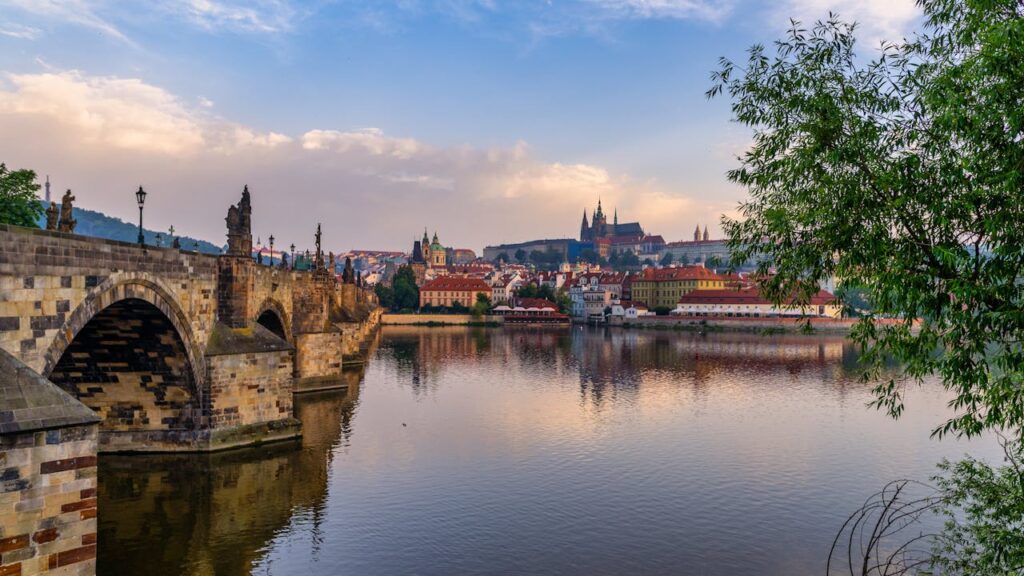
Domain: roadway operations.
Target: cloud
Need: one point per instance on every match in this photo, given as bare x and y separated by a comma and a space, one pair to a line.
214, 16
877, 20
269, 16
77, 12
103, 136
710, 10
19, 31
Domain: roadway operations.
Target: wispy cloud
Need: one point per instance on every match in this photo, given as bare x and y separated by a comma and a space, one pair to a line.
709, 10
262, 16
214, 16
77, 12
19, 31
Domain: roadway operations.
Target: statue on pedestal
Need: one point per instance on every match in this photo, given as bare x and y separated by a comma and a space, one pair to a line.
67, 223
52, 214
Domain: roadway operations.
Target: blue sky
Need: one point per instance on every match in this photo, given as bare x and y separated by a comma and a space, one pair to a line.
489, 121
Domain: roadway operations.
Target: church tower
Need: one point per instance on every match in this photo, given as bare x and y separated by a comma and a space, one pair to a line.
585, 228
696, 234
706, 236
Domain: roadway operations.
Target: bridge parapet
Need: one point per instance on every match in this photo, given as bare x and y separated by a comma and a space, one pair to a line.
176, 350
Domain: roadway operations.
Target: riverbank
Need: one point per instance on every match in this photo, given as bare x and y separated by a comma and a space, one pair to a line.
440, 320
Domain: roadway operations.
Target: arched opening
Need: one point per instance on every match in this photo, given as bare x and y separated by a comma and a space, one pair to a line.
129, 364
271, 321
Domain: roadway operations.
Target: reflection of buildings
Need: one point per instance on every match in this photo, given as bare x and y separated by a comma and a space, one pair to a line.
610, 363
215, 513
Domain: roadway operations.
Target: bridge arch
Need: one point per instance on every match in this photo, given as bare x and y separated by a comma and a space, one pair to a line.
272, 316
128, 351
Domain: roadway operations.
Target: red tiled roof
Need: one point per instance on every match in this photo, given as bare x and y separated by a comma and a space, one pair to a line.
746, 296
454, 283
679, 273
536, 303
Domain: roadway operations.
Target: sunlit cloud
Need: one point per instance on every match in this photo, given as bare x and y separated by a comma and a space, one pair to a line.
103, 135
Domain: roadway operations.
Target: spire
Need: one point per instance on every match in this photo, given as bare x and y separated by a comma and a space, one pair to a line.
585, 225
696, 233
706, 236
616, 221
47, 188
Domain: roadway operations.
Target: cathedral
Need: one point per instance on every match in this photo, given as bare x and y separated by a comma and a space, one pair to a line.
598, 228
431, 253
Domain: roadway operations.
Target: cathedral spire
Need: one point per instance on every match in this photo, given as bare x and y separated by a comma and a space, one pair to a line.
696, 233
616, 220
706, 236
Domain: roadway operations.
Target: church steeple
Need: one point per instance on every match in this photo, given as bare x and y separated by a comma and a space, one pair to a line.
696, 234
706, 236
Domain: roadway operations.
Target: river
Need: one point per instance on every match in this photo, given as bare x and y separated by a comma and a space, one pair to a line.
518, 451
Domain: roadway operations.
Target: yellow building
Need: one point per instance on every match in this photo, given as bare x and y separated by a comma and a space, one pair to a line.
663, 287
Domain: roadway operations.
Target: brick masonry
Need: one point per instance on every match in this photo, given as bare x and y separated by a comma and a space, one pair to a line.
146, 367
48, 501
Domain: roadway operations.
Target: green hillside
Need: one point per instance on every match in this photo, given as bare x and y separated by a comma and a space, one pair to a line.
92, 223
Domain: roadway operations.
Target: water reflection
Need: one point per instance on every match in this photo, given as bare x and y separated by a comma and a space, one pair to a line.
215, 514
539, 451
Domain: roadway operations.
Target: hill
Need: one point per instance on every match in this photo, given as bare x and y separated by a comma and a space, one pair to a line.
92, 223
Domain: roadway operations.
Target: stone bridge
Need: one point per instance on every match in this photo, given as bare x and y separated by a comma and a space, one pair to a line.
176, 350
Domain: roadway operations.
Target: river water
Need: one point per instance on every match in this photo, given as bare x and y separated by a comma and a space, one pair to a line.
584, 451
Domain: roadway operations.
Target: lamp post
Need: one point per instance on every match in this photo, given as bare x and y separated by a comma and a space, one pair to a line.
140, 197
293, 255
271, 250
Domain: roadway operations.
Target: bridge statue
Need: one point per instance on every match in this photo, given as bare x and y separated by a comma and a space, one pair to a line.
239, 221
52, 213
67, 223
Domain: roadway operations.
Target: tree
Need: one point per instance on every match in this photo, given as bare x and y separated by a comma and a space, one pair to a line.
684, 260
589, 255
18, 203
502, 257
385, 295
521, 255
629, 259
406, 293
901, 175
713, 261
482, 305
666, 260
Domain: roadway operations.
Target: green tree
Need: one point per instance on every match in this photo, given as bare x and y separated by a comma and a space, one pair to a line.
521, 255
18, 202
385, 295
902, 175
502, 257
666, 260
482, 305
406, 293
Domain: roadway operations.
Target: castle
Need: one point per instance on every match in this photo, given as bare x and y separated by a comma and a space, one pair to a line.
598, 228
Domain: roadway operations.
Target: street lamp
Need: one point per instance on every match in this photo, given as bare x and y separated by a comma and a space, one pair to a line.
140, 197
271, 250
293, 255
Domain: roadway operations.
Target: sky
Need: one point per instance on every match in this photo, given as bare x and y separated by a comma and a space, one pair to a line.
485, 121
